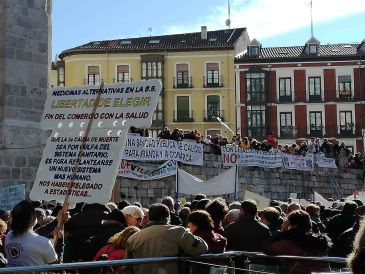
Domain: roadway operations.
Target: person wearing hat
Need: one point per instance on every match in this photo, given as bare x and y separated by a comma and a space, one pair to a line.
343, 246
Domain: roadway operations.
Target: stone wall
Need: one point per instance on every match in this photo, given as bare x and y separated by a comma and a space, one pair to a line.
271, 183
24, 55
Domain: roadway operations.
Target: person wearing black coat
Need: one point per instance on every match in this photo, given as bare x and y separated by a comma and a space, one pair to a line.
113, 223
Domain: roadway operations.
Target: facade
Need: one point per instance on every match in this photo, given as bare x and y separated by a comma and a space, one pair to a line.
196, 70
304, 91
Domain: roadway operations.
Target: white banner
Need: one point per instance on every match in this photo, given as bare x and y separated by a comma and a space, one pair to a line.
221, 184
134, 102
133, 171
149, 149
326, 162
234, 155
319, 198
95, 177
261, 201
298, 162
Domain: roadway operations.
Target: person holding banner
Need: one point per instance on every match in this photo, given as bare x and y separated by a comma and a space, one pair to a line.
23, 246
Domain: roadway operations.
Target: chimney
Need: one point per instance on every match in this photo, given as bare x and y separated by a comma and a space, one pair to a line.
204, 33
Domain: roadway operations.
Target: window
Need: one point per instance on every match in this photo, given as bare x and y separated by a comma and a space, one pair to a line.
255, 87
61, 76
344, 87
213, 108
314, 85
93, 75
183, 113
123, 74
346, 123
212, 77
313, 49
315, 121
256, 126
151, 70
182, 75
285, 94
286, 125
254, 51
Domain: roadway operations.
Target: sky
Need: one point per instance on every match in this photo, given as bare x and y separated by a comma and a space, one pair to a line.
272, 22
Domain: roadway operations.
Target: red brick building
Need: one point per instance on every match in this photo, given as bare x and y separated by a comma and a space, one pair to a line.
302, 91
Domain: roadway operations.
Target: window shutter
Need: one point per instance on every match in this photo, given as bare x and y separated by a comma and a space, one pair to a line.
93, 70
123, 69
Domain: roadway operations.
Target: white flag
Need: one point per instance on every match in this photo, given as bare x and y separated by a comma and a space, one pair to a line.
221, 184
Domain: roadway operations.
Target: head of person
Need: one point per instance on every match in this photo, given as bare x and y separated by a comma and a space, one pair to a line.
23, 218
292, 207
133, 215
248, 208
217, 209
119, 240
202, 204
200, 220
116, 216
349, 208
269, 215
313, 210
40, 214
159, 213
145, 217
199, 197
299, 219
184, 214
231, 217
169, 202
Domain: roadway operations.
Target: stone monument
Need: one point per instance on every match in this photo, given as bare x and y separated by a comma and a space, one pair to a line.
24, 67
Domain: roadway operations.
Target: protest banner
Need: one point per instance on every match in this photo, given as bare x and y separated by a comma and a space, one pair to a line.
133, 102
150, 149
11, 196
133, 171
234, 155
319, 198
326, 162
224, 183
90, 181
262, 202
298, 162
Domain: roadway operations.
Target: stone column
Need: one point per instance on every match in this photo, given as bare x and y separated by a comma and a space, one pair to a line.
24, 66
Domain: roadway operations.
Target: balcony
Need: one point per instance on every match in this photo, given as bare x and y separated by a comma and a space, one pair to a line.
316, 131
212, 82
288, 132
257, 132
347, 130
211, 116
344, 95
91, 82
256, 97
183, 116
123, 81
315, 98
285, 99
186, 83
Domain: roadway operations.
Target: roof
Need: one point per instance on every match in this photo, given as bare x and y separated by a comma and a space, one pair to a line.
313, 40
254, 42
218, 39
296, 53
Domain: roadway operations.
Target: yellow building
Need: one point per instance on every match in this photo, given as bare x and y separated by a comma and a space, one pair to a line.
196, 69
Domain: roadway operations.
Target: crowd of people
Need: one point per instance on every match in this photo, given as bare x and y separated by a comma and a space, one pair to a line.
36, 233
335, 149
